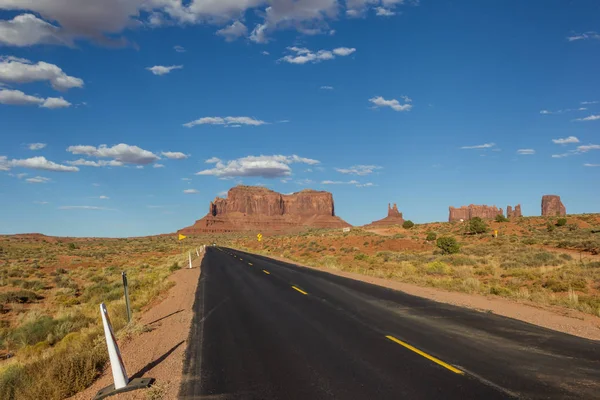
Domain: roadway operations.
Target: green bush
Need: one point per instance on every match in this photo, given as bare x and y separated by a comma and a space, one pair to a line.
476, 225
431, 236
561, 222
408, 224
174, 267
550, 227
73, 246
361, 257
20, 296
448, 245
438, 268
501, 218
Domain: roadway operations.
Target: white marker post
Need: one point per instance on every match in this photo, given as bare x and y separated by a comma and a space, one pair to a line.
190, 254
198, 254
120, 379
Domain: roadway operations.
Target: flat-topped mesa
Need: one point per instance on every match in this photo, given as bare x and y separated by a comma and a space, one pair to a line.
394, 217
510, 213
552, 206
257, 208
465, 213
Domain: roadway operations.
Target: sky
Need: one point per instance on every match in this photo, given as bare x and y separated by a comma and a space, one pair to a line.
127, 117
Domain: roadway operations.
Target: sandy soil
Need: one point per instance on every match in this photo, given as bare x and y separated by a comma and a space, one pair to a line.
158, 353
552, 317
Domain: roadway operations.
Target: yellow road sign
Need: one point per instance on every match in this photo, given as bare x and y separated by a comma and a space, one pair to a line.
181, 237
259, 237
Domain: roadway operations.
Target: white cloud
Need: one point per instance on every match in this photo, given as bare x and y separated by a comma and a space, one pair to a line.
275, 166
158, 165
368, 184
55, 102
122, 152
83, 208
104, 198
40, 202
174, 155
265, 53
40, 163
36, 146
353, 182
222, 194
591, 165
303, 55
566, 110
360, 170
589, 118
27, 30
162, 70
226, 121
584, 36
185, 179
526, 152
588, 147
38, 179
480, 146
567, 140
213, 160
18, 98
139, 167
561, 155
589, 102
233, 31
190, 191
21, 176
384, 12
101, 163
393, 103
326, 87
302, 182
179, 49
18, 70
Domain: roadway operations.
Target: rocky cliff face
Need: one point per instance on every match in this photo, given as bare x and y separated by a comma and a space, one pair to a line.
552, 206
394, 217
248, 208
467, 212
510, 213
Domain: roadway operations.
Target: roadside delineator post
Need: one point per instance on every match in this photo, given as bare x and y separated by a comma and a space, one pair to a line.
121, 381
190, 254
198, 254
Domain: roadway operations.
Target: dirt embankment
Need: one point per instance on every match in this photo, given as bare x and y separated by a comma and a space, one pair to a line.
157, 352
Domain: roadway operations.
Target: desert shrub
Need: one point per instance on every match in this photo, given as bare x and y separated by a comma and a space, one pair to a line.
572, 227
361, 257
561, 222
476, 226
73, 246
408, 224
566, 257
438, 268
550, 227
501, 218
399, 236
431, 236
448, 245
174, 267
20, 296
63, 281
458, 260
529, 241
500, 291
593, 264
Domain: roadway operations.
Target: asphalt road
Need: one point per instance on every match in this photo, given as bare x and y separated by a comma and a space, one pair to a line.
264, 329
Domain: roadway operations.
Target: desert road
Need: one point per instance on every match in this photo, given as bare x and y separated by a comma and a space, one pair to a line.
265, 329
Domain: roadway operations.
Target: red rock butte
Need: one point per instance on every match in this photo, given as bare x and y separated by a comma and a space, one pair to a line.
471, 211
510, 213
255, 208
394, 217
552, 206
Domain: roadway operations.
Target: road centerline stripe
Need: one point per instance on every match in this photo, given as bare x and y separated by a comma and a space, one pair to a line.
427, 356
266, 272
250, 264
299, 290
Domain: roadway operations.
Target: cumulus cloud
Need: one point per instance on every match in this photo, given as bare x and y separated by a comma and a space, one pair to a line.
122, 152
368, 184
567, 140
579, 150
27, 30
158, 166
213, 160
393, 103
225, 121
359, 169
190, 191
589, 102
38, 179
36, 146
591, 35
162, 70
353, 182
526, 152
384, 12
179, 49
104, 198
275, 166
303, 55
233, 31
19, 70
101, 163
174, 155
589, 118
480, 146
55, 102
40, 163
591, 165
18, 98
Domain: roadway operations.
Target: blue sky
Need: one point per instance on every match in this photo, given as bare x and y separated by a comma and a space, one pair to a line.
109, 113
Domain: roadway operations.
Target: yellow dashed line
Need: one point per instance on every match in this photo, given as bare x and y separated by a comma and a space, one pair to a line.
427, 356
250, 264
266, 272
300, 290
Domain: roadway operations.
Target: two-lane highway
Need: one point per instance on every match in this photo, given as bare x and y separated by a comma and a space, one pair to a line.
264, 329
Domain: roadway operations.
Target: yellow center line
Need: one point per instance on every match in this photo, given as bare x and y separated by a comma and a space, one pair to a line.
250, 264
300, 290
427, 356
266, 272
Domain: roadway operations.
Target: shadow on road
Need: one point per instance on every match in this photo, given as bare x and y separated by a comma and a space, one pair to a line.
154, 363
166, 316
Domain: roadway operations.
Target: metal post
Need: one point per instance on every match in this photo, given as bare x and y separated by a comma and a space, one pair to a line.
126, 286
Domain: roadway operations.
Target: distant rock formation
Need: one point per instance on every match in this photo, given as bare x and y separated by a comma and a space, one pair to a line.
510, 213
552, 206
255, 208
467, 212
394, 217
